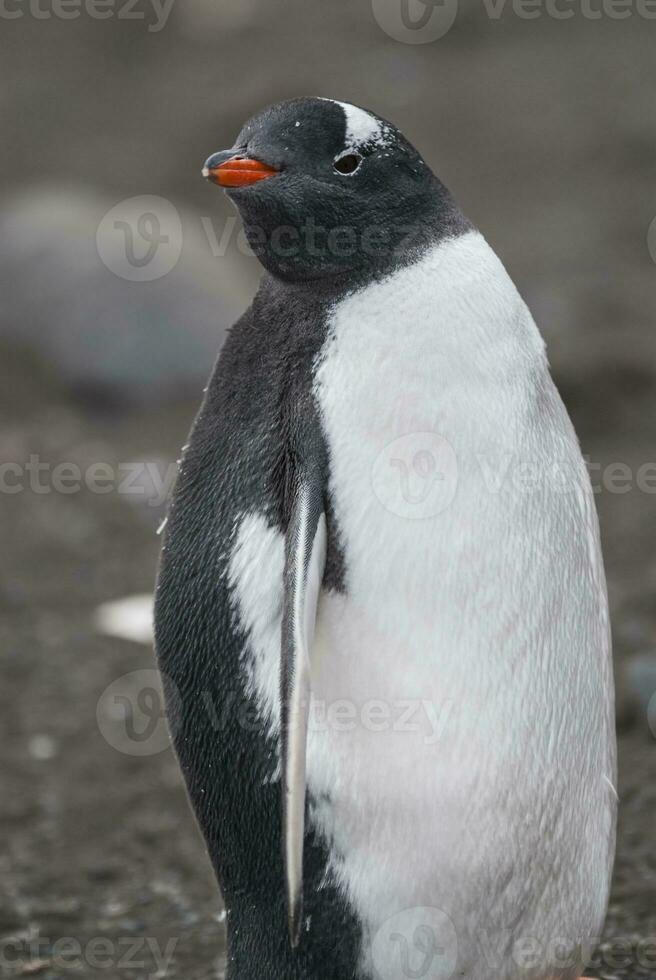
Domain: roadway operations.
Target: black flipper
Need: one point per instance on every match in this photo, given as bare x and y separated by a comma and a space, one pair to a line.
305, 557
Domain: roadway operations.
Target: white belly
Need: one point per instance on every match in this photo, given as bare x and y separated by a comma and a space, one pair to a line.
461, 747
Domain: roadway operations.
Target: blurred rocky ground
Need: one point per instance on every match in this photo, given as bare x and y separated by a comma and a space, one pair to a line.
543, 128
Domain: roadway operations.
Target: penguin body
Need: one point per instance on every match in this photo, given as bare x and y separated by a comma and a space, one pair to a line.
381, 435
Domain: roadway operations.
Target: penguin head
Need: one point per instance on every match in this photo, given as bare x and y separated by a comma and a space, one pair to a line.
325, 188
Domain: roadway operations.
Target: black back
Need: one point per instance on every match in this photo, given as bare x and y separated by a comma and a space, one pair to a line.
240, 460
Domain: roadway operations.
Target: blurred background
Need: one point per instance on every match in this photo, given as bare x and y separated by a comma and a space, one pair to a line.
121, 270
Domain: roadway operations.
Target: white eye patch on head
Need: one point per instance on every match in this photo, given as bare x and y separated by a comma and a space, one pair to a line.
362, 129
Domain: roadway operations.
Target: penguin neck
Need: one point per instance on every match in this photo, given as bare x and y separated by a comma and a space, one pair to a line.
335, 257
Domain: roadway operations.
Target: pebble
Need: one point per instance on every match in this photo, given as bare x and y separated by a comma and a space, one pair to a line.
640, 673
42, 747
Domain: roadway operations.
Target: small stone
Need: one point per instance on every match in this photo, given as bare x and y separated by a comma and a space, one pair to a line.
640, 677
42, 747
33, 967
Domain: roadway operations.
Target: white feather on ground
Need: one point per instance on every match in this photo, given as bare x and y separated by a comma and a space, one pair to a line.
130, 618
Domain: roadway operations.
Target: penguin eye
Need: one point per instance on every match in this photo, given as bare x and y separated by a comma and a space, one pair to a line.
348, 163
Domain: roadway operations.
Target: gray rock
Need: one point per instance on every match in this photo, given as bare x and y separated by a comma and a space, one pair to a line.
641, 681
98, 331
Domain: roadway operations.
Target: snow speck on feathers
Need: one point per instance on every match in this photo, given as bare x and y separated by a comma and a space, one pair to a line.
361, 126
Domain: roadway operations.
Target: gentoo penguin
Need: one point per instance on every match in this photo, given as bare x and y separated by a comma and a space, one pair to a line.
381, 611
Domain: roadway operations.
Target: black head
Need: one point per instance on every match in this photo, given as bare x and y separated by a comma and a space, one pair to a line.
325, 188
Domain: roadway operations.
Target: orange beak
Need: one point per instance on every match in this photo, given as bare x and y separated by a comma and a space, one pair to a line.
236, 171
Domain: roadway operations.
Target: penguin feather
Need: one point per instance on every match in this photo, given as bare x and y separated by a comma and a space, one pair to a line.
305, 557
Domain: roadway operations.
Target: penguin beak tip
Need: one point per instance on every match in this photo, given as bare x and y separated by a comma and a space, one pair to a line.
232, 171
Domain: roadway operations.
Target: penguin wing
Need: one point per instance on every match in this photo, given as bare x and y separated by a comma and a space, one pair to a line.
305, 557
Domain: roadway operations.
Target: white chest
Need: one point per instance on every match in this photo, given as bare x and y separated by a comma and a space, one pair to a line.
459, 492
